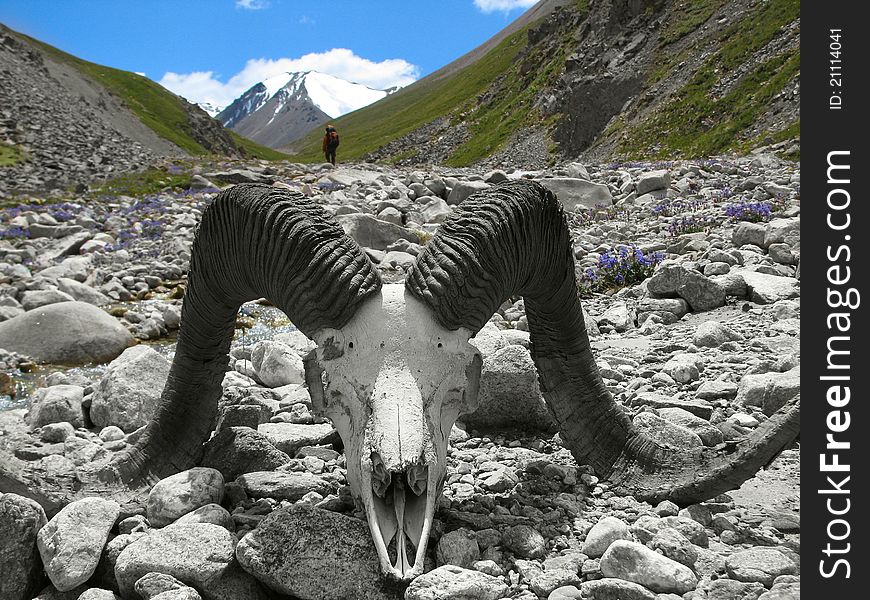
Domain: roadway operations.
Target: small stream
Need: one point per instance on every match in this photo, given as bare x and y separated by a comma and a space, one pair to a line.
256, 322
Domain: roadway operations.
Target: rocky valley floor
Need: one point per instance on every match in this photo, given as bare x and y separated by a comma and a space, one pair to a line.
691, 274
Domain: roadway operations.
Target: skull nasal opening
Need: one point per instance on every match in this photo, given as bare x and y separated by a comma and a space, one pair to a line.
414, 478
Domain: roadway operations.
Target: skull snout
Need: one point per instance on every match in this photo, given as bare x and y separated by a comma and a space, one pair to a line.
397, 429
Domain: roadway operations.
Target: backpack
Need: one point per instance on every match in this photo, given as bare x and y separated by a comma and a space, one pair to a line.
332, 138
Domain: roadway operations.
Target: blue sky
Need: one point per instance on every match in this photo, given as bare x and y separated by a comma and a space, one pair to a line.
213, 50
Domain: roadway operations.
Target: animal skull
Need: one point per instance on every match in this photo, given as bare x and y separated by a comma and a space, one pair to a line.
393, 367
393, 382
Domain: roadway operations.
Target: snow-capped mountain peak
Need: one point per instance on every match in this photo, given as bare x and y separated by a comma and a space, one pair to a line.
283, 107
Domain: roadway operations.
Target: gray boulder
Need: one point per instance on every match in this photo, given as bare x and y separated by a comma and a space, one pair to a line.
606, 531
779, 231
35, 298
653, 181
463, 189
769, 391
21, 519
281, 485
235, 451
72, 542
154, 585
129, 392
713, 334
458, 547
683, 368
670, 434
763, 288
724, 589
610, 588
524, 541
450, 582
747, 233
289, 437
619, 316
182, 493
674, 545
709, 434
82, 292
276, 364
435, 211
56, 404
760, 564
370, 232
509, 393
489, 339
702, 293
298, 551
98, 594
637, 563
544, 583
210, 513
67, 333
578, 193
199, 555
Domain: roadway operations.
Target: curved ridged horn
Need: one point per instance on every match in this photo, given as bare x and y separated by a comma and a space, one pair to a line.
513, 239
253, 241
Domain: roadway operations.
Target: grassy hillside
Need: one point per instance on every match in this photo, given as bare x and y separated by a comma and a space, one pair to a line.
720, 104
254, 149
159, 109
697, 121
367, 129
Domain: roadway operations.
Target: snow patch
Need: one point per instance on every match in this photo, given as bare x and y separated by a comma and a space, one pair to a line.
337, 97
275, 83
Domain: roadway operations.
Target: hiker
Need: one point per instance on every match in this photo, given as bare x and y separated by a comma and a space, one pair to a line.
330, 143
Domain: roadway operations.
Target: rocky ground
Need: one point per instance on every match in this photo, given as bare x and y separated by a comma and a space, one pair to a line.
699, 347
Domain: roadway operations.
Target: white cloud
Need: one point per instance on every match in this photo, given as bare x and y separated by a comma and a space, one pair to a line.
206, 86
489, 6
252, 4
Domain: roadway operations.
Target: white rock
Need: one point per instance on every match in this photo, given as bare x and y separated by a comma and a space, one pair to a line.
129, 392
664, 431
636, 563
606, 531
578, 193
450, 582
56, 404
182, 493
71, 543
277, 364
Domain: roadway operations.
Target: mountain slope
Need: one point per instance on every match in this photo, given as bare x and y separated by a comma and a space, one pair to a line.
281, 109
163, 122
597, 79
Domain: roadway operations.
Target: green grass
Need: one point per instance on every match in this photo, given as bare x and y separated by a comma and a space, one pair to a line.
686, 17
509, 107
494, 97
255, 150
790, 131
396, 115
156, 107
161, 110
143, 183
10, 155
695, 122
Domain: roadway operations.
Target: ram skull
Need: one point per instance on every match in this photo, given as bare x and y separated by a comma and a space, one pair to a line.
393, 367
